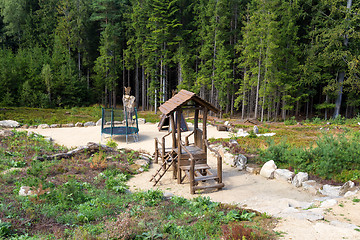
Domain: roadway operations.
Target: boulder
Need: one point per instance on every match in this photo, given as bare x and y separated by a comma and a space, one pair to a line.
252, 170
89, 124
68, 125
98, 123
43, 126
350, 193
141, 162
299, 179
9, 124
312, 186
55, 125
6, 133
233, 142
328, 203
256, 130
283, 175
329, 190
79, 124
241, 133
268, 169
141, 120
168, 195
346, 187
240, 162
227, 123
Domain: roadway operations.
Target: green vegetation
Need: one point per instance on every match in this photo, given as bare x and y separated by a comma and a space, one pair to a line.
86, 197
271, 59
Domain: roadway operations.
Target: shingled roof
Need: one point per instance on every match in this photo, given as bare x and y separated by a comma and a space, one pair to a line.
180, 99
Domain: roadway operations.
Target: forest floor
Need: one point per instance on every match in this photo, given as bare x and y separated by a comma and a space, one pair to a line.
276, 198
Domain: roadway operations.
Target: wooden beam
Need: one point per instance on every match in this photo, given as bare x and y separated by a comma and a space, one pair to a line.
178, 132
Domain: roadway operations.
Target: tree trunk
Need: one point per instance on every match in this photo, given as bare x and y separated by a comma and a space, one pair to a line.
137, 85
257, 86
341, 75
143, 93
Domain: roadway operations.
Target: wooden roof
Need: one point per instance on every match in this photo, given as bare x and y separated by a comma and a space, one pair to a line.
180, 99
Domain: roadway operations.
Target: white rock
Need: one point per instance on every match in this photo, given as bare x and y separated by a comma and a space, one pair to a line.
6, 133
329, 190
168, 195
54, 125
266, 134
240, 162
299, 179
89, 124
312, 186
343, 225
346, 187
350, 193
328, 203
256, 129
68, 125
268, 169
283, 174
9, 124
141, 162
49, 139
98, 123
229, 159
233, 142
25, 191
143, 121
43, 126
79, 124
226, 123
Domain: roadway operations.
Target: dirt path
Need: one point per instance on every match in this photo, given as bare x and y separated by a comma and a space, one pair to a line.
297, 209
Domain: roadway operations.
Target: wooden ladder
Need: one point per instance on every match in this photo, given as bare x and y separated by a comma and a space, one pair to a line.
168, 162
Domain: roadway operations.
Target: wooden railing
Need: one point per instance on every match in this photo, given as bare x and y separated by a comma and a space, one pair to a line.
191, 170
219, 161
160, 144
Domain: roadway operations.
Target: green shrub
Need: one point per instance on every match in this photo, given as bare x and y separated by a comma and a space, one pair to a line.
290, 121
4, 228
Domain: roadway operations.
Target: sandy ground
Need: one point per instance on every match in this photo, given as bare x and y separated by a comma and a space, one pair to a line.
291, 205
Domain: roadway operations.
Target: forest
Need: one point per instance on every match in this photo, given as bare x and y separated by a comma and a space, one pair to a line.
264, 59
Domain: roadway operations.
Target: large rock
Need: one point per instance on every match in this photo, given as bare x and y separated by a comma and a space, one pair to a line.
43, 126
329, 190
55, 125
89, 124
312, 186
6, 133
268, 169
349, 185
299, 179
256, 129
98, 123
328, 203
283, 174
229, 159
79, 124
240, 162
9, 124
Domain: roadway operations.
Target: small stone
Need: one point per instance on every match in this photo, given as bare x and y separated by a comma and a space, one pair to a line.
221, 128
68, 125
25, 126
268, 169
33, 127
9, 124
226, 123
140, 170
89, 124
43, 126
141, 162
55, 125
49, 139
299, 179
283, 175
233, 142
79, 124
328, 203
256, 130
6, 133
168, 195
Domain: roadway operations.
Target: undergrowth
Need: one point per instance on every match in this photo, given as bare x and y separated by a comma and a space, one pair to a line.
87, 197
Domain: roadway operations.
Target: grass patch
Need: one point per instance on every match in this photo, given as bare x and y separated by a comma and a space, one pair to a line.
86, 197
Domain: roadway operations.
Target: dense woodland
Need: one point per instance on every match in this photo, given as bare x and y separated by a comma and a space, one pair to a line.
266, 59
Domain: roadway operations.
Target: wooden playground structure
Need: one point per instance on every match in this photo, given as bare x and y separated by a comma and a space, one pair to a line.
187, 159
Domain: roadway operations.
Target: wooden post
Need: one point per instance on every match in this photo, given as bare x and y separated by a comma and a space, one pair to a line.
173, 134
206, 110
192, 176
178, 131
219, 169
156, 151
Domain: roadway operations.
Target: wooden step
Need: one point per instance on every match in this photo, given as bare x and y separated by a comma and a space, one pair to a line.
197, 167
219, 185
205, 178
